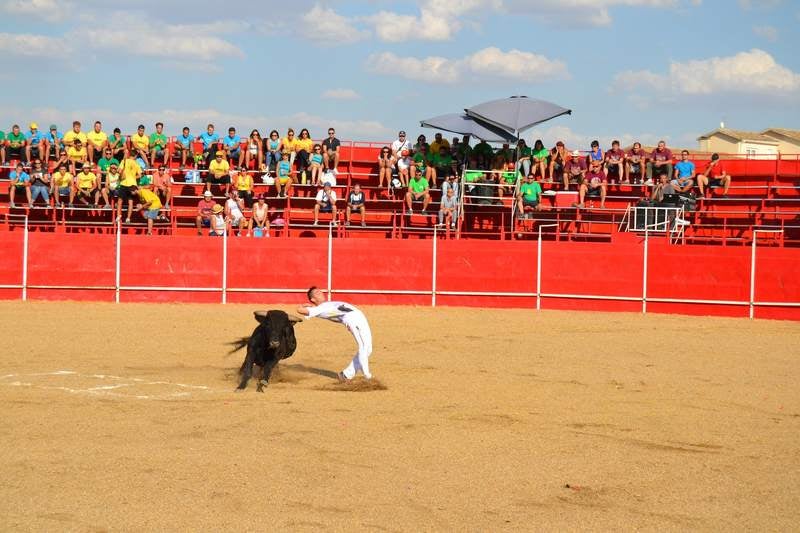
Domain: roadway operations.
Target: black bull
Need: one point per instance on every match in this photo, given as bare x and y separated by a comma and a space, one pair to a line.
272, 340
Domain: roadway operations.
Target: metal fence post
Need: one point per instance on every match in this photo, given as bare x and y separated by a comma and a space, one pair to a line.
25, 262
117, 259
753, 266
225, 266
539, 266
433, 269
330, 257
644, 268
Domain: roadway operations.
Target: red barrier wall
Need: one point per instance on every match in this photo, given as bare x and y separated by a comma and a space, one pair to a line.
502, 273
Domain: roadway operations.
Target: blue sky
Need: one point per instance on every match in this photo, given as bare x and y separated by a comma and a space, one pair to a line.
629, 69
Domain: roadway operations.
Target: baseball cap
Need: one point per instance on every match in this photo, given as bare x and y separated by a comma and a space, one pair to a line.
53, 127
576, 153
207, 194
401, 132
33, 126
220, 152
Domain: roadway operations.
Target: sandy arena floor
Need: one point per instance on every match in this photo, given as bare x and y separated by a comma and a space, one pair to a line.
124, 418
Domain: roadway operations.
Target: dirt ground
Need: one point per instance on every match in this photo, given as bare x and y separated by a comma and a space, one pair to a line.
125, 418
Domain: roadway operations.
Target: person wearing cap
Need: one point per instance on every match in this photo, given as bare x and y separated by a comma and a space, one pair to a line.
558, 162
325, 202
55, 143
140, 145
401, 144
161, 184
218, 221
204, 212
575, 169
20, 182
260, 217
150, 206
130, 172
36, 145
117, 144
158, 144
15, 144
219, 172
76, 155
110, 182
96, 140
62, 184
75, 134
87, 187
184, 146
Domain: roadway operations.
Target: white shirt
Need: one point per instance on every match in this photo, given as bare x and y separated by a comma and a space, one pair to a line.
326, 198
234, 209
399, 146
334, 311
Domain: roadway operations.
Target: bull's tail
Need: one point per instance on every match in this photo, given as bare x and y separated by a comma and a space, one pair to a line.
238, 344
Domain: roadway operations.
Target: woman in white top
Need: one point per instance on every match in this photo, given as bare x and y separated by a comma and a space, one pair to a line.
233, 211
217, 222
260, 216
254, 149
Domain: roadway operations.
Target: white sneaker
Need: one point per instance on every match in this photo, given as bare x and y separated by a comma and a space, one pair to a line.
549, 192
648, 182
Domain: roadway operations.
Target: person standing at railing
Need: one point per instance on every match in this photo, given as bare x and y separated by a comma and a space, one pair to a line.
130, 172
150, 206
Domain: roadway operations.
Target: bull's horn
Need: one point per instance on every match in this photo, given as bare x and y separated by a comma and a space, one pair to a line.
260, 315
295, 318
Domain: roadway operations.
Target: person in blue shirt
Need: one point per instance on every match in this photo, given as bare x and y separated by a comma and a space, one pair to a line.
20, 182
210, 140
37, 143
183, 146
233, 147
284, 178
684, 174
54, 141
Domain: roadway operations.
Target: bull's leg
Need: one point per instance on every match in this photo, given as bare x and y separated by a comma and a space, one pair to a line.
247, 369
266, 372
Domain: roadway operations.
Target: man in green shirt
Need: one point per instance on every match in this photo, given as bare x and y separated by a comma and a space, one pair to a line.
417, 190
529, 195
483, 153
106, 161
442, 164
158, 144
15, 144
2, 147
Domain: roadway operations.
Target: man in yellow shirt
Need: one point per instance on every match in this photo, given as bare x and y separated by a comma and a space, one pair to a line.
96, 142
219, 172
150, 206
62, 184
130, 172
86, 187
140, 144
75, 134
437, 143
76, 154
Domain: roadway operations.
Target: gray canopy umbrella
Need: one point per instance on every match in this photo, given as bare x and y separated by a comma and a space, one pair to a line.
465, 125
516, 113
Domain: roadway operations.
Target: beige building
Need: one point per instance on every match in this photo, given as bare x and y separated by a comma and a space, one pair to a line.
788, 140
727, 141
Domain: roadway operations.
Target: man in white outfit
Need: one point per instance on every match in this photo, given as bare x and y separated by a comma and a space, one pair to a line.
355, 322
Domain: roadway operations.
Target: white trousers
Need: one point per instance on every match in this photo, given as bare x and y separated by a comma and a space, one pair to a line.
359, 328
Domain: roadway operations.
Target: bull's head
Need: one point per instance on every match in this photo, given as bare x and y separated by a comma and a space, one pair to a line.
280, 325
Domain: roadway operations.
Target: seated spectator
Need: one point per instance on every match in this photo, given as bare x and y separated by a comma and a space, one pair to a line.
385, 166
485, 190
117, 144
448, 209
15, 144
40, 183
2, 148
55, 144
62, 185
218, 222
232, 145
184, 147
272, 149
506, 152
162, 181
575, 171
76, 155
315, 164
595, 154
405, 166
662, 187
106, 160
418, 190
714, 175
110, 183
210, 140
463, 151
660, 162
87, 187
400, 145
421, 141
635, 162
304, 146
498, 168
260, 219
330, 151
158, 144
438, 142
529, 196
524, 158
96, 142
355, 202
595, 182
289, 146
150, 206
20, 182
283, 182
422, 164
325, 202
36, 144
140, 145
558, 162
234, 212
219, 172
442, 164
615, 163
472, 174
205, 212
451, 183
684, 174
75, 134
540, 156
243, 184
130, 172
254, 151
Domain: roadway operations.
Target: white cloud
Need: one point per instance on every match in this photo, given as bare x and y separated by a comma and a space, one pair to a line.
324, 25
341, 94
49, 10
753, 72
490, 63
30, 45
769, 33
581, 141
438, 20
759, 4
577, 13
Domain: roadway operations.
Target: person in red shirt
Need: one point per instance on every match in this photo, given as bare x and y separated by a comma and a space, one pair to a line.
594, 182
615, 163
660, 162
574, 170
635, 161
714, 175
204, 212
